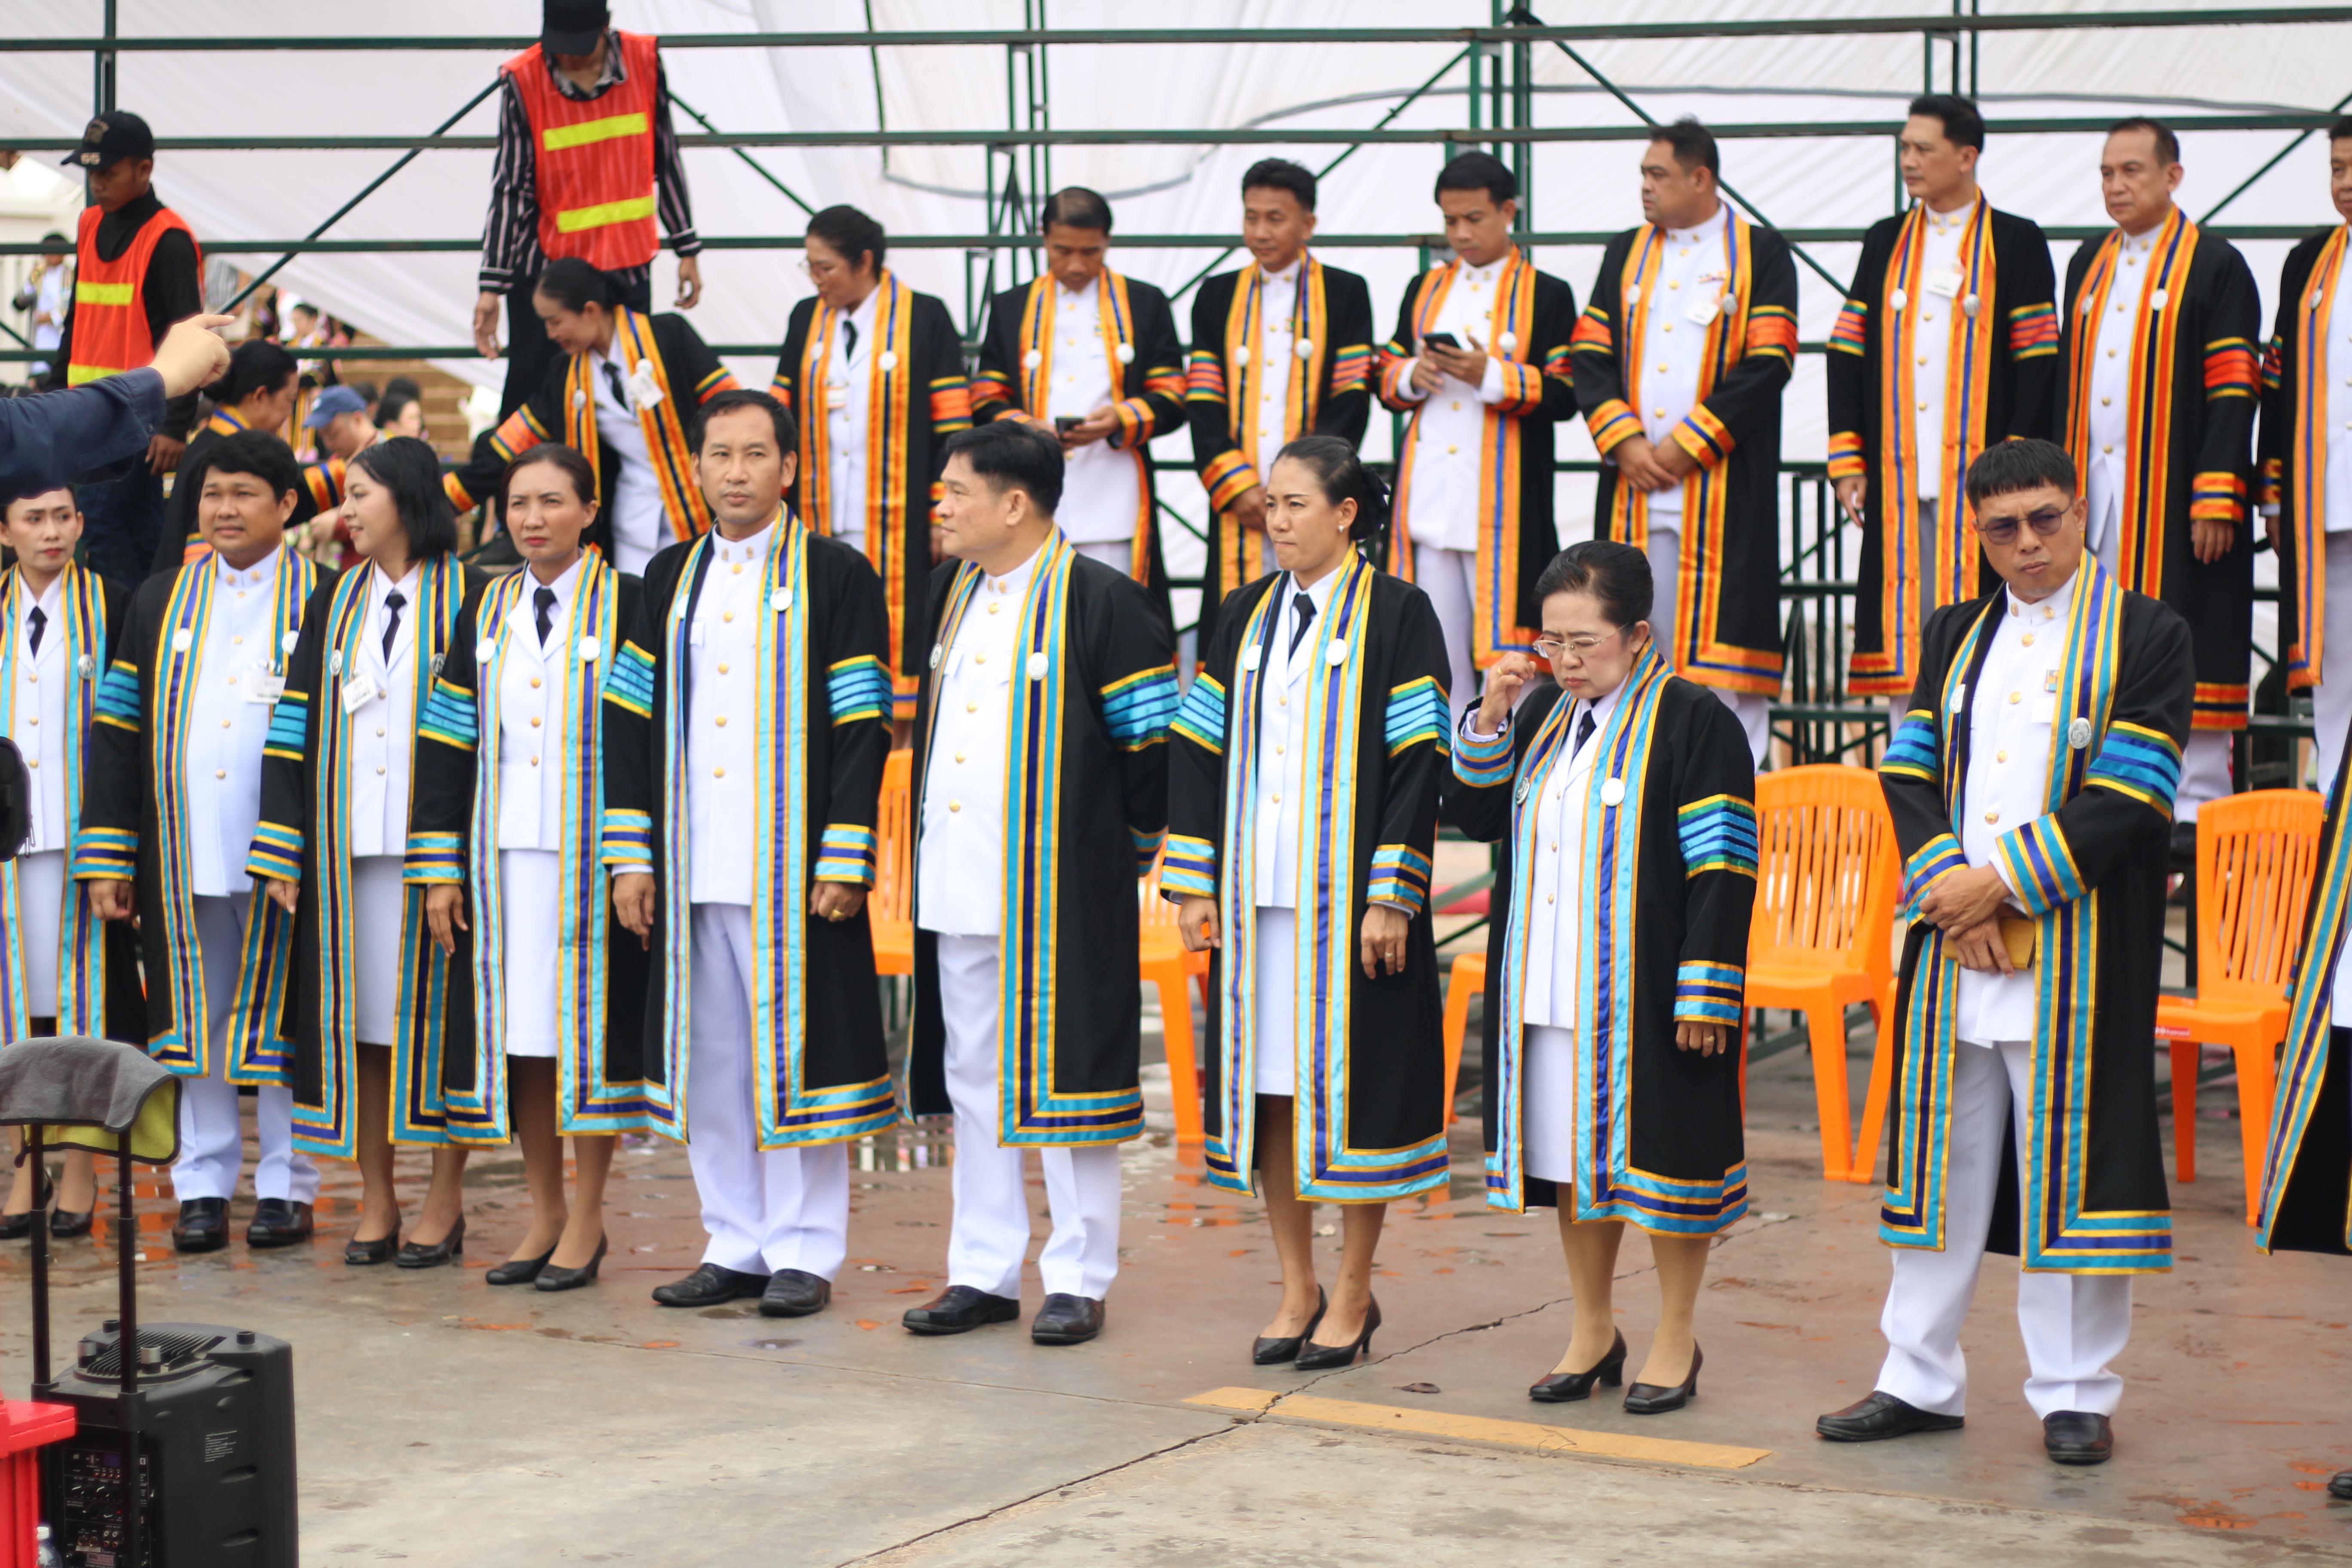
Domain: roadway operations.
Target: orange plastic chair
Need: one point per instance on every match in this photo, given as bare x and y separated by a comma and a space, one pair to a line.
1464, 979
890, 910
1166, 965
2256, 855
1821, 940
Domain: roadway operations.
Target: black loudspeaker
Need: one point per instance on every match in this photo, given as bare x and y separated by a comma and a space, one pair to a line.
212, 1421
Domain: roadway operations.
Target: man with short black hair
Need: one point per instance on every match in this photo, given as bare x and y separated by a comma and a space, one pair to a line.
184, 715
746, 722
1948, 344
1281, 349
1479, 363
1041, 770
2159, 382
2306, 464
137, 270
2032, 784
1681, 359
1092, 355
874, 371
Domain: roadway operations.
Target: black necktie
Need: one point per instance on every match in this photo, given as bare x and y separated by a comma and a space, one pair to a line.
39, 621
848, 339
613, 379
544, 601
1585, 728
392, 605
1306, 607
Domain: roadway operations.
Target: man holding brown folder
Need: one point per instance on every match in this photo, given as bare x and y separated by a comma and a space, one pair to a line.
2032, 783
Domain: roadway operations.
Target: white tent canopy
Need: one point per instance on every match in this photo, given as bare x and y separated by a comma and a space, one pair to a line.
425, 298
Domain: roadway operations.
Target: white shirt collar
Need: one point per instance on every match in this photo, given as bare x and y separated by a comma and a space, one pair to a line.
1017, 580
2044, 609
49, 599
566, 585
1480, 274
380, 583
754, 548
1606, 705
2142, 244
1289, 274
1955, 219
262, 573
1320, 596
1710, 229
1076, 297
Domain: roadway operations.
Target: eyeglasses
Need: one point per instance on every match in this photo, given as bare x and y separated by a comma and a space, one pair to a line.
814, 269
2004, 531
1581, 647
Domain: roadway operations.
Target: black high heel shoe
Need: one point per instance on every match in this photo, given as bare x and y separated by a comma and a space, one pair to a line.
360, 1254
416, 1254
16, 1227
66, 1224
1313, 1357
1561, 1387
520, 1270
554, 1279
1656, 1399
1273, 1351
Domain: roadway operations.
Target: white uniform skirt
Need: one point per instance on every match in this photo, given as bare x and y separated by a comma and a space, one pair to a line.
1276, 939
40, 894
1554, 1113
378, 897
530, 886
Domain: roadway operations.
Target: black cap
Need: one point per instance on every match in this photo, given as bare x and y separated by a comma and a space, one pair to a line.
117, 134
572, 27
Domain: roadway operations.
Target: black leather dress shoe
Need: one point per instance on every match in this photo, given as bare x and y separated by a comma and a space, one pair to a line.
1561, 1387
1657, 1398
2078, 1437
202, 1227
958, 1309
1880, 1416
519, 1270
419, 1255
66, 1224
1280, 1348
1314, 1356
2339, 1485
15, 1227
1067, 1319
708, 1286
792, 1293
551, 1277
279, 1222
366, 1254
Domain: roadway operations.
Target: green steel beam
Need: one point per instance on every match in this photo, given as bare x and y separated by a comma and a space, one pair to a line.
1621, 32
1170, 136
756, 166
2248, 184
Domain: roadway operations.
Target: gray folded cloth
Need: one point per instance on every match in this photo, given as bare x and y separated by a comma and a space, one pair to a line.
73, 1079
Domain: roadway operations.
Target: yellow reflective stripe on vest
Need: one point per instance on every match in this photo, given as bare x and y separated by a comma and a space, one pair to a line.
556, 138
604, 212
75, 374
101, 293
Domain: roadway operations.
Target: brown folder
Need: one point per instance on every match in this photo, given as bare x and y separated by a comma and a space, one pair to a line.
2021, 938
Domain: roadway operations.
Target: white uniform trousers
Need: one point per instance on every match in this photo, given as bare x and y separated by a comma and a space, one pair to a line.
2073, 1325
379, 899
2331, 700
765, 1209
1276, 937
990, 1236
2205, 760
1118, 555
1450, 578
212, 1136
40, 913
1753, 710
531, 903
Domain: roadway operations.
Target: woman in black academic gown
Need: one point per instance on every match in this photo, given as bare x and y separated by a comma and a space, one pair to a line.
1624, 797
1303, 793
506, 833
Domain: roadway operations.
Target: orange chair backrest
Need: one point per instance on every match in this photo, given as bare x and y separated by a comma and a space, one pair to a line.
894, 857
1827, 867
2256, 855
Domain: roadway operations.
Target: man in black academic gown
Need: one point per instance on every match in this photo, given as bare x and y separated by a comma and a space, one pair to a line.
2031, 785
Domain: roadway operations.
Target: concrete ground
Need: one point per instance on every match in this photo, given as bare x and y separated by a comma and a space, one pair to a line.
443, 1421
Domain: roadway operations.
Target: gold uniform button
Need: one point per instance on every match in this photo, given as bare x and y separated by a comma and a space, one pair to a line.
980, 658
722, 670
2109, 451
1548, 898
718, 772
1282, 702
1925, 317
2104, 402
1992, 816
225, 724
2001, 756
720, 721
2015, 696
996, 609
1277, 800
1922, 405
534, 720
220, 772
1666, 326
972, 707
958, 756
379, 730
534, 683
2026, 640
726, 615
1450, 450
1456, 405
232, 680
736, 570
955, 805
534, 761
237, 640
1923, 358
379, 768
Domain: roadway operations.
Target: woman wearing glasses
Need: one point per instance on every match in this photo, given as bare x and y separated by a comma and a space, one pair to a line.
1303, 793
1622, 796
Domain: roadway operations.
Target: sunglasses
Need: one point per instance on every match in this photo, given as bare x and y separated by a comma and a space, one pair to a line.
2004, 531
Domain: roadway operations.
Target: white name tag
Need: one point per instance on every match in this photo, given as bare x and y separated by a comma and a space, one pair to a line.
1945, 284
693, 635
1961, 698
1699, 313
358, 692
264, 684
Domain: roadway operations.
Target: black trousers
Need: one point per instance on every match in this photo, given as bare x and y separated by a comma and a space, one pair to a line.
529, 352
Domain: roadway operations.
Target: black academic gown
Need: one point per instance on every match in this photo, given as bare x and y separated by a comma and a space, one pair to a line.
2088, 1196
916, 396
819, 755
1370, 1126
1672, 916
1332, 321
1140, 330
453, 839
2194, 380
1999, 322
1529, 328
2293, 445
135, 821
97, 960
1726, 620
304, 836
685, 373
2306, 1177
1087, 806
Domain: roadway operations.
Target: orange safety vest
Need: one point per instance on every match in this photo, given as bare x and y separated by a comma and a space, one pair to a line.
593, 158
110, 310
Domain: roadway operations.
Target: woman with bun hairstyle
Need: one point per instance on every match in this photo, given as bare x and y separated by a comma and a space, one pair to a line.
1303, 791
257, 394
1623, 796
